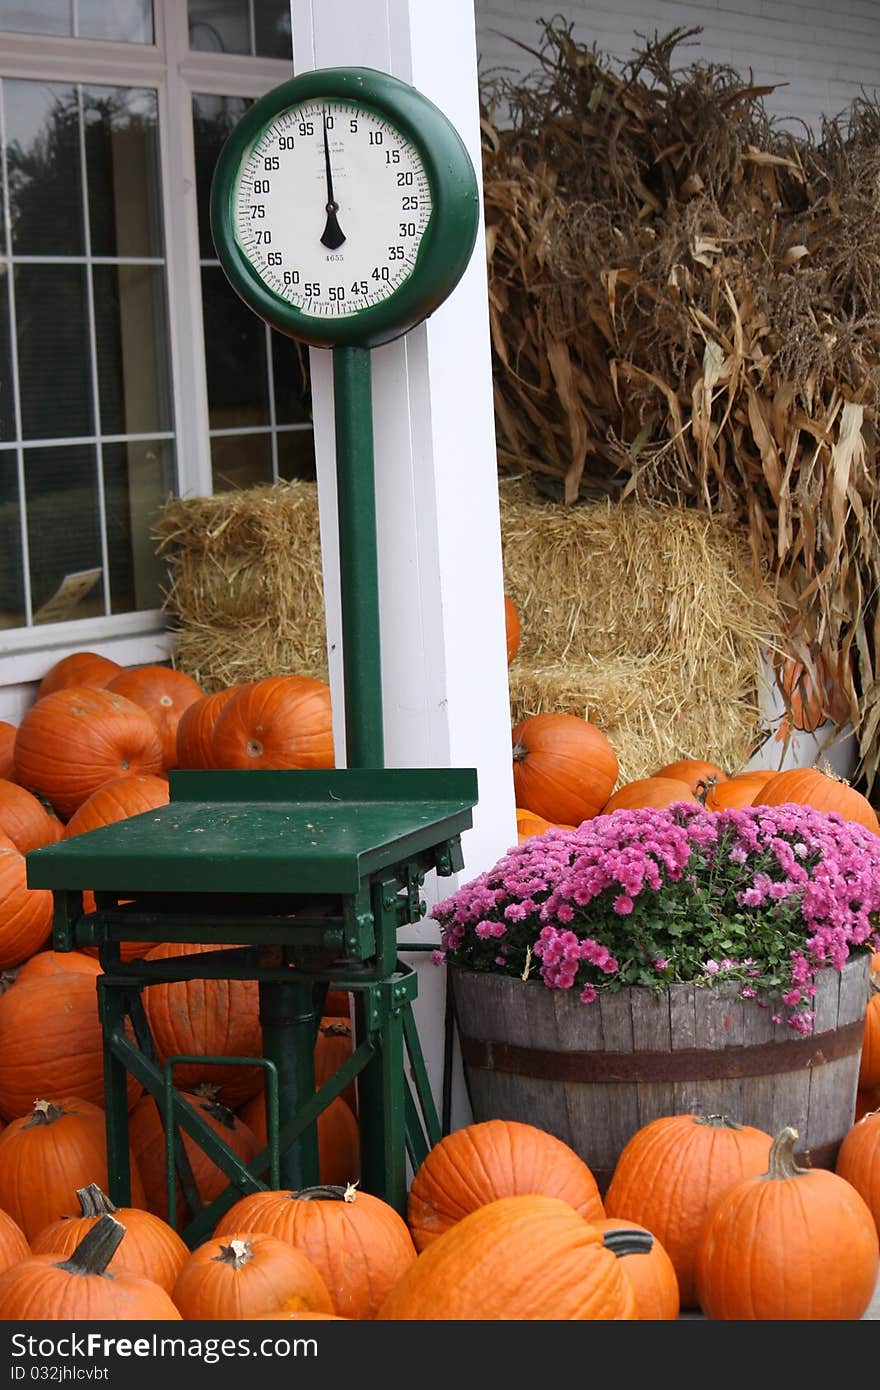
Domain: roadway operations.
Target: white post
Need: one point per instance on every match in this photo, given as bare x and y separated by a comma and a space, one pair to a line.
444, 665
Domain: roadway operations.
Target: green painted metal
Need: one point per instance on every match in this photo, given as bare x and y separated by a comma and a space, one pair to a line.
449, 239
288, 1026
358, 559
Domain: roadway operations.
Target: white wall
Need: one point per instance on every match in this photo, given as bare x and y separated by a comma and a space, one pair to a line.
826, 53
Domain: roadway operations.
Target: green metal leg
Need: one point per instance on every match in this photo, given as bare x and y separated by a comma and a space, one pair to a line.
382, 1109
288, 1023
112, 1012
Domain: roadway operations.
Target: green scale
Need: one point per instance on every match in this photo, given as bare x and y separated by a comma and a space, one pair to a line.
344, 210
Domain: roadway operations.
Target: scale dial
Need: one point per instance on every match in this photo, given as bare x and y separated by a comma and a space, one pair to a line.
344, 207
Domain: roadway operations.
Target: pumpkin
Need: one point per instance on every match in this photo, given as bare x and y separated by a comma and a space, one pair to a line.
333, 1046
869, 1062
648, 791
78, 1289
695, 771
866, 1101
55, 963
359, 1243
25, 820
116, 800
788, 1244
206, 1017
339, 1159
13, 1242
147, 1138
164, 693
7, 750
248, 1273
151, 1248
481, 1162
25, 913
736, 792
564, 768
650, 1271
79, 668
46, 1156
73, 741
337, 1004
528, 824
195, 730
51, 1043
297, 1317
519, 1259
279, 722
858, 1161
512, 628
670, 1173
807, 786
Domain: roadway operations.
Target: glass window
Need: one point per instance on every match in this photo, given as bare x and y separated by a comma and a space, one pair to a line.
260, 28
12, 601
122, 169
123, 21
51, 319
44, 172
64, 533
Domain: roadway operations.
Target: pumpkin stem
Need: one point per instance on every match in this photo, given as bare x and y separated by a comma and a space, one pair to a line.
326, 1194
94, 1202
336, 1028
219, 1112
45, 1112
519, 752
781, 1164
717, 1121
96, 1249
703, 787
237, 1253
627, 1242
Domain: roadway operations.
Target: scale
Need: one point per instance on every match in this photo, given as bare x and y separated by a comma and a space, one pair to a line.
344, 210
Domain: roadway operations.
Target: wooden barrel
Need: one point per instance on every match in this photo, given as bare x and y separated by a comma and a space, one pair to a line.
592, 1074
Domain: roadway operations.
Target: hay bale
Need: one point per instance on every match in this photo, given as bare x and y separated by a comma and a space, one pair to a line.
646, 619
246, 593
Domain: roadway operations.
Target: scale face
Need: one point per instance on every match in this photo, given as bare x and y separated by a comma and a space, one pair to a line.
344, 207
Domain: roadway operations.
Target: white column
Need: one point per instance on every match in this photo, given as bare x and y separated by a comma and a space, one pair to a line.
444, 666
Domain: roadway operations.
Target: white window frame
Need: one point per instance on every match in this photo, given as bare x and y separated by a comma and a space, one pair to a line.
176, 74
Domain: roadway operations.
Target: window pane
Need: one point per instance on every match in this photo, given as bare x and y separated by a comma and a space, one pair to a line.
122, 161
272, 29
43, 161
53, 351
296, 455
137, 480
290, 374
12, 612
37, 16
242, 460
220, 26
235, 353
131, 335
124, 21
63, 530
213, 120
7, 404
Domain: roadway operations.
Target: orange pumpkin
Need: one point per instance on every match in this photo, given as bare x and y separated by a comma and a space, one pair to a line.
337, 1004
25, 913
858, 1161
7, 750
869, 1063
78, 1289
333, 1046
359, 1243
672, 1171
648, 791
280, 722
13, 1242
736, 792
650, 1271
164, 693
694, 771
339, 1139
46, 1156
25, 820
147, 1138
512, 628
481, 1162
518, 1259
195, 730
528, 825
79, 668
54, 963
867, 1100
73, 741
807, 786
116, 800
564, 768
206, 1017
789, 1243
51, 1043
248, 1273
151, 1248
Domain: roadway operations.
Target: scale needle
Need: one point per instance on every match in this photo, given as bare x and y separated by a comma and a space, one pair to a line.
333, 235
